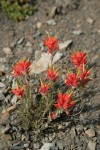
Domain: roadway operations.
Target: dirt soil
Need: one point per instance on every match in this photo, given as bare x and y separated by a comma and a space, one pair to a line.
76, 20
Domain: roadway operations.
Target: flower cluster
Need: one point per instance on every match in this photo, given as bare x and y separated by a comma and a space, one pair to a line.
52, 44
22, 67
81, 77
51, 101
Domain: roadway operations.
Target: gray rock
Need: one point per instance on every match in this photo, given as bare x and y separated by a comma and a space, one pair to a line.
51, 22
60, 144
14, 99
90, 20
2, 97
91, 145
90, 132
20, 41
13, 44
43, 63
49, 146
37, 34
26, 145
53, 12
65, 44
73, 133
77, 32
28, 44
7, 51
2, 85
39, 25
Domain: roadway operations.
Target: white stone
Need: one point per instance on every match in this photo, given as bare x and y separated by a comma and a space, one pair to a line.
47, 146
65, 44
92, 145
7, 51
90, 132
43, 63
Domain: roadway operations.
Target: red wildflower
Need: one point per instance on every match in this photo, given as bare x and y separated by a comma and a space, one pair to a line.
52, 74
19, 91
64, 101
21, 68
51, 43
79, 59
44, 88
84, 76
53, 115
72, 80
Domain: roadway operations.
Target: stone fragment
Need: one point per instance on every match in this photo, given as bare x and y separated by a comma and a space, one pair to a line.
14, 99
51, 22
2, 85
39, 25
20, 41
53, 12
77, 32
65, 44
7, 51
73, 133
28, 44
90, 132
90, 20
49, 146
92, 145
2, 97
43, 63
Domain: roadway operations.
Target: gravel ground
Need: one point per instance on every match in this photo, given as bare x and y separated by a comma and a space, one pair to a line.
74, 20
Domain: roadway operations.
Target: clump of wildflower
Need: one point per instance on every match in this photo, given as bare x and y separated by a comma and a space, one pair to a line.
79, 59
72, 80
52, 74
52, 44
64, 101
22, 67
19, 91
44, 88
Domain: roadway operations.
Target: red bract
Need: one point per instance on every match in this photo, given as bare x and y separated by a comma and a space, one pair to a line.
79, 59
72, 80
22, 67
53, 115
51, 43
19, 91
44, 88
84, 76
64, 101
52, 74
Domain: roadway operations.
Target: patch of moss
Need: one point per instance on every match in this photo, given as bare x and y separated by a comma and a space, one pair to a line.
18, 9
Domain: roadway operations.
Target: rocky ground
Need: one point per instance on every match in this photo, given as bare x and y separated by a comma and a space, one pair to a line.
77, 21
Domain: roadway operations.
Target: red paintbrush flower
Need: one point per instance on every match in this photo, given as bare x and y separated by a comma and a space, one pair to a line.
22, 67
72, 80
53, 115
84, 76
79, 59
52, 74
44, 88
19, 91
51, 43
64, 101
